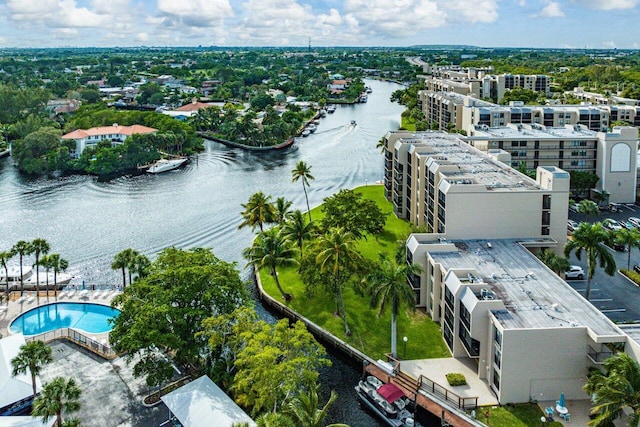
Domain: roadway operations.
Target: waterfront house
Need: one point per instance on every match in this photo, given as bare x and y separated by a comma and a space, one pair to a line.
91, 137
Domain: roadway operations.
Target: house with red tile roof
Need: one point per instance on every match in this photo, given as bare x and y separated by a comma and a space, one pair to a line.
91, 137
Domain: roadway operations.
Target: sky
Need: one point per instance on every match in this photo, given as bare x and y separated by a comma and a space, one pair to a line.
485, 23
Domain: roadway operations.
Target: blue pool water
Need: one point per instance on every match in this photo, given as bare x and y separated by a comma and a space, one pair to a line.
91, 318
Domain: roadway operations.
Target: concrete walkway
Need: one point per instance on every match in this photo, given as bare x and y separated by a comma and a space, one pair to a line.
437, 369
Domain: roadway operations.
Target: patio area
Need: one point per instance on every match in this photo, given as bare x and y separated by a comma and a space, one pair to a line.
436, 370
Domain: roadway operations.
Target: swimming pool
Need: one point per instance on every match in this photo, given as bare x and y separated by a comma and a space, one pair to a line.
90, 318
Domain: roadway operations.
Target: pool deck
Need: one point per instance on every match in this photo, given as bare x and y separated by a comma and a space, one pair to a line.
17, 305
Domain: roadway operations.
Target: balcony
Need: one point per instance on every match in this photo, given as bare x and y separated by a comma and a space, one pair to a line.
598, 357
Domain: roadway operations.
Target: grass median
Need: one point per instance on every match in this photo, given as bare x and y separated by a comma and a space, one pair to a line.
370, 334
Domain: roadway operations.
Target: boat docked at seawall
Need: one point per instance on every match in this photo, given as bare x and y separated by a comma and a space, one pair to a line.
29, 277
164, 165
387, 401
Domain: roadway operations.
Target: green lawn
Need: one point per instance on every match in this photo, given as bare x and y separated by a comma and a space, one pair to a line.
370, 334
521, 415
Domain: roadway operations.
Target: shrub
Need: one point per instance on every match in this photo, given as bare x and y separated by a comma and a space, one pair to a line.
455, 379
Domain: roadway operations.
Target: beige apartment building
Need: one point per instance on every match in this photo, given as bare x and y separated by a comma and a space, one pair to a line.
529, 334
437, 181
612, 156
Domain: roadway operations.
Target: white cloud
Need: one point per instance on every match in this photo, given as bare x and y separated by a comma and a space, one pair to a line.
66, 13
552, 10
609, 44
3, 40
195, 13
142, 37
607, 4
473, 11
65, 33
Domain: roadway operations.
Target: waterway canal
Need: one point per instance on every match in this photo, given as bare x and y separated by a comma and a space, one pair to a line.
199, 205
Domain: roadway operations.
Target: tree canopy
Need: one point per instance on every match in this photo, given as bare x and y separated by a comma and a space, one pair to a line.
349, 211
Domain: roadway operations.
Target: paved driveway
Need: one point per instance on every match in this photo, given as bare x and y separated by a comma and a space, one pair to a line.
617, 297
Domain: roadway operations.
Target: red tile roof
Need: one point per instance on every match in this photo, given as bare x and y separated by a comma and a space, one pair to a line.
109, 130
193, 106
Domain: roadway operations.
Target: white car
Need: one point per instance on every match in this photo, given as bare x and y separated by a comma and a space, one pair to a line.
571, 225
574, 272
635, 221
612, 224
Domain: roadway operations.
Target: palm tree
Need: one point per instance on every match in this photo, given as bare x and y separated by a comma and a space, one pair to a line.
5, 256
615, 390
40, 247
274, 419
281, 207
139, 266
258, 211
303, 409
337, 253
382, 144
44, 261
630, 238
588, 207
589, 238
57, 396
123, 260
32, 356
22, 248
297, 229
57, 264
556, 263
388, 286
271, 250
302, 172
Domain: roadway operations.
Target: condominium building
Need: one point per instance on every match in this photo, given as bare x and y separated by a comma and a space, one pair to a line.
91, 137
529, 334
609, 155
438, 181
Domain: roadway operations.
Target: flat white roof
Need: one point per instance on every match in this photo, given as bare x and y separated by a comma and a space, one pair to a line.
527, 132
200, 402
534, 297
26, 421
13, 389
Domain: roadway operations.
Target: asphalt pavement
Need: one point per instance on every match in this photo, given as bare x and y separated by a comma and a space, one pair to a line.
615, 296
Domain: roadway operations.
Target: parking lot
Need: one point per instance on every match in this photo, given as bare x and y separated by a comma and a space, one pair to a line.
616, 296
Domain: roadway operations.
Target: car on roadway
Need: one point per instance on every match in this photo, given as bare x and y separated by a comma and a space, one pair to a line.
612, 224
574, 272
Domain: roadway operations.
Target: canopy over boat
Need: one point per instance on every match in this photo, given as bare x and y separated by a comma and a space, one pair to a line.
390, 392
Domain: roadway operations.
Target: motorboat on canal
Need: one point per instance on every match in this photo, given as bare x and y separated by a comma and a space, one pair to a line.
164, 165
387, 401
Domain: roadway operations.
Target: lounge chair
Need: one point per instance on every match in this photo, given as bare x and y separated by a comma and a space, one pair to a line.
30, 299
71, 293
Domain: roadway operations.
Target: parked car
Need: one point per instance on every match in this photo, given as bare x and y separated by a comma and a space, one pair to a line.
628, 225
635, 221
571, 225
636, 268
573, 207
615, 207
612, 224
574, 272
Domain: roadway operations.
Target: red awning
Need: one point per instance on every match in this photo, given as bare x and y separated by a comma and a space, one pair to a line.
390, 392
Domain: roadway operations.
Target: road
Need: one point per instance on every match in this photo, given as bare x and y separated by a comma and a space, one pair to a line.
616, 296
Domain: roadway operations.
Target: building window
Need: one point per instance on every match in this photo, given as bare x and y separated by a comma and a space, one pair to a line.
496, 379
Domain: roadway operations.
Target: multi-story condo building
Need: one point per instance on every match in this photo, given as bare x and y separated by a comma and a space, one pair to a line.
600, 99
91, 137
480, 83
609, 155
438, 181
527, 331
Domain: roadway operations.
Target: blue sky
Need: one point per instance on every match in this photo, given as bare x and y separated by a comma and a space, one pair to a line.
487, 23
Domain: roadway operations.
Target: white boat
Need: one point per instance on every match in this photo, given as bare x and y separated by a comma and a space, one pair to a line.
387, 401
306, 133
164, 165
29, 277
331, 109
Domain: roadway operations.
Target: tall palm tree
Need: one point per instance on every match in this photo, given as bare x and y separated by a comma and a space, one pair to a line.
302, 172
22, 248
556, 263
40, 247
258, 211
123, 260
303, 409
5, 256
382, 144
630, 238
281, 207
615, 390
297, 229
32, 356
589, 238
57, 264
337, 253
271, 250
388, 287
588, 207
139, 266
57, 396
